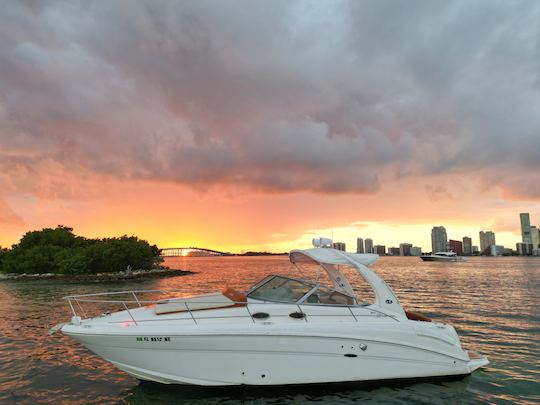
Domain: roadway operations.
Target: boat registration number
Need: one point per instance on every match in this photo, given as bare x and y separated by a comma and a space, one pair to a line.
153, 339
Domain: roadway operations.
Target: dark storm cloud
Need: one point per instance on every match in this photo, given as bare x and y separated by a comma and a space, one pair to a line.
327, 97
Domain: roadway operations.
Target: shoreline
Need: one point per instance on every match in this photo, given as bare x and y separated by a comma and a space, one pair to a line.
116, 276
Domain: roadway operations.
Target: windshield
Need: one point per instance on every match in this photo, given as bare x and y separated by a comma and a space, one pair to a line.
282, 289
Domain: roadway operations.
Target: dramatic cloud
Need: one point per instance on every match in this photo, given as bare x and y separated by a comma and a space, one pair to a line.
279, 96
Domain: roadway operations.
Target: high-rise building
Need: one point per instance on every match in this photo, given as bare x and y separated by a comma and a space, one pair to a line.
456, 246
524, 249
467, 246
394, 251
525, 227
416, 251
405, 249
439, 240
339, 246
475, 250
359, 245
380, 249
369, 245
487, 238
535, 239
496, 250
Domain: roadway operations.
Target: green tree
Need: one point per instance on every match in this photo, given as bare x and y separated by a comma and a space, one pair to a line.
61, 236
60, 251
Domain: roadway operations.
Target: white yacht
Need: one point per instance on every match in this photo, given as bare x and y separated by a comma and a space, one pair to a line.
442, 257
282, 331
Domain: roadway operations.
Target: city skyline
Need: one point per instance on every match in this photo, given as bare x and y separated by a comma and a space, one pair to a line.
440, 241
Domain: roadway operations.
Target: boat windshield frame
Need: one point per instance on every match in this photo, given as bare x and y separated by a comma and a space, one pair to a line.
309, 297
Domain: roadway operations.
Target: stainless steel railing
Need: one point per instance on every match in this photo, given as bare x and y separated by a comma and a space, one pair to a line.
76, 302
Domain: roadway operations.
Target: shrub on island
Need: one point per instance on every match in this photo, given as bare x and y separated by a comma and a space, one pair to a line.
60, 251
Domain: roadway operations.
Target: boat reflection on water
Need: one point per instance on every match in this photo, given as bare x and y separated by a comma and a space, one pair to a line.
407, 391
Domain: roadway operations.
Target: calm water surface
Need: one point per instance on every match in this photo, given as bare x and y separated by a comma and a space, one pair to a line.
492, 302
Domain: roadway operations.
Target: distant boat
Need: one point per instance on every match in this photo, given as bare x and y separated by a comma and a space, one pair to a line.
443, 257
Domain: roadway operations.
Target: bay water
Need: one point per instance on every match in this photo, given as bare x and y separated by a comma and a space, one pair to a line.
492, 302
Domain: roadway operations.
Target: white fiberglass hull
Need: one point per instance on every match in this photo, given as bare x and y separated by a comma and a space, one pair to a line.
279, 354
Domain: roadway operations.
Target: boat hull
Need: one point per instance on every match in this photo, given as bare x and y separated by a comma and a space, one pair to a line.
274, 357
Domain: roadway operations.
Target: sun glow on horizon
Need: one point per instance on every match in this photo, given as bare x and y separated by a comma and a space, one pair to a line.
272, 222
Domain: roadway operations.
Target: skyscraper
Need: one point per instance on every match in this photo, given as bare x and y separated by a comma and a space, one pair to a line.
416, 251
525, 227
439, 240
405, 249
467, 246
535, 239
456, 246
524, 249
379, 249
359, 245
487, 239
339, 246
369, 245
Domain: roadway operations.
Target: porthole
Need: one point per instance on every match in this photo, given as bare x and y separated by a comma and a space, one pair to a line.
261, 315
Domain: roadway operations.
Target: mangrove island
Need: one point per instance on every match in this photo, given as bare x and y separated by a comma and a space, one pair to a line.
59, 253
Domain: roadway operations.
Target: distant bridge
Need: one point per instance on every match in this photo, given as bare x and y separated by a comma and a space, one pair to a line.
191, 251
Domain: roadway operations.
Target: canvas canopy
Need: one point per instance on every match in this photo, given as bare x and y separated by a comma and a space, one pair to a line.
331, 256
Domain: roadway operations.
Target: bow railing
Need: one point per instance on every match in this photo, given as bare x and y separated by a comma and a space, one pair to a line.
196, 311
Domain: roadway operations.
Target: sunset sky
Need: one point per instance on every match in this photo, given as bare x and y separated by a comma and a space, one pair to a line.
241, 125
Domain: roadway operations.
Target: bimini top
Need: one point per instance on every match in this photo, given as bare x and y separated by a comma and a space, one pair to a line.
330, 256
